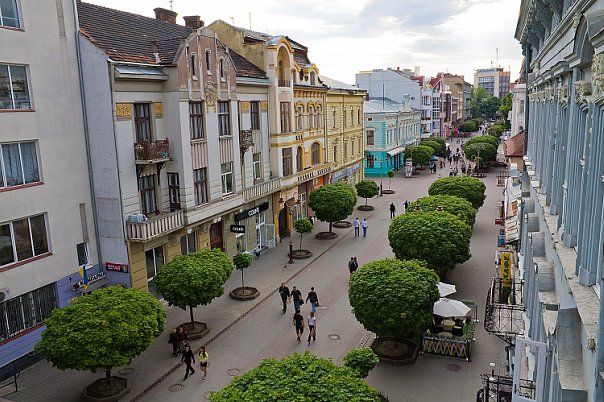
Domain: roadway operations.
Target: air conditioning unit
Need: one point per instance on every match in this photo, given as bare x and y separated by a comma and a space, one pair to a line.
4, 294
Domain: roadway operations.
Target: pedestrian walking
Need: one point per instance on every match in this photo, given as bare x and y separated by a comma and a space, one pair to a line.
406, 204
203, 361
392, 210
450, 172
314, 300
365, 225
297, 296
173, 339
356, 225
356, 263
284, 293
182, 338
189, 358
298, 321
351, 266
312, 327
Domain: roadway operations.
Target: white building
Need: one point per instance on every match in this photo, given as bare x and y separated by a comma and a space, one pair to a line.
517, 114
391, 84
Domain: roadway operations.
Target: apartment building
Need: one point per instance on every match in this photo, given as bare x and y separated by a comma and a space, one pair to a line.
442, 107
495, 80
47, 231
461, 92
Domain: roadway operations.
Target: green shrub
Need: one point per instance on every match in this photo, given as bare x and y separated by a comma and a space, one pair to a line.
457, 206
361, 360
466, 187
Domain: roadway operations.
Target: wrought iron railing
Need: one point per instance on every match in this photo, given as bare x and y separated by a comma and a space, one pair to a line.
147, 151
500, 388
503, 309
284, 83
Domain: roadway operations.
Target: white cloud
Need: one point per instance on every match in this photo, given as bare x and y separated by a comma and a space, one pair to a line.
345, 36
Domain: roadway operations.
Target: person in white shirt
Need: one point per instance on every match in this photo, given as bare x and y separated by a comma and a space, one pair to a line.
356, 227
312, 327
365, 225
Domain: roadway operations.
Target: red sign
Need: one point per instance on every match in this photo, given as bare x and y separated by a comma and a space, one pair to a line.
499, 221
114, 266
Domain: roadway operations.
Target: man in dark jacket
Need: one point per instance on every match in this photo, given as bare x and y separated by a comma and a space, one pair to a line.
189, 358
314, 300
284, 292
173, 339
297, 296
351, 265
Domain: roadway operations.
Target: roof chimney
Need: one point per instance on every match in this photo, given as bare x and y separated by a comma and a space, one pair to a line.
165, 15
193, 21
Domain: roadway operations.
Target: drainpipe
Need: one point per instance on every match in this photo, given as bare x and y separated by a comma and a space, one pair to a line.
527, 61
95, 218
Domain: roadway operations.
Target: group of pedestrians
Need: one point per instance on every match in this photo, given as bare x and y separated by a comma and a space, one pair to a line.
298, 318
360, 225
353, 265
178, 338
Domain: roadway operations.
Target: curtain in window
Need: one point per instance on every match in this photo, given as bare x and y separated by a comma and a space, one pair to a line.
22, 240
38, 234
6, 246
6, 100
9, 14
12, 164
20, 92
30, 162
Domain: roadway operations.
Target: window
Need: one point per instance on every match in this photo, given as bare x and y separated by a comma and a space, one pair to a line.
284, 107
359, 116
142, 122
82, 250
224, 118
300, 118
18, 164
154, 259
208, 66
315, 153
14, 92
226, 174
345, 117
287, 161
334, 116
335, 153
360, 144
318, 118
311, 117
370, 161
174, 191
196, 120
9, 14
299, 159
221, 68
146, 185
255, 115
370, 137
188, 243
26, 311
345, 150
301, 75
22, 239
257, 165
312, 78
200, 186
193, 65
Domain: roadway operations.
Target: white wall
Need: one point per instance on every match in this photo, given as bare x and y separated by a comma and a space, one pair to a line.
390, 84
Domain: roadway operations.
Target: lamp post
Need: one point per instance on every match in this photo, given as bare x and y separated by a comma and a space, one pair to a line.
291, 250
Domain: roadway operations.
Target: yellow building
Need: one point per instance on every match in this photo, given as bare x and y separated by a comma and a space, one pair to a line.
344, 128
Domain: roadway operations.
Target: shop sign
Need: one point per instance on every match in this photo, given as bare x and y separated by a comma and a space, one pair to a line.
237, 228
506, 268
92, 279
251, 212
116, 267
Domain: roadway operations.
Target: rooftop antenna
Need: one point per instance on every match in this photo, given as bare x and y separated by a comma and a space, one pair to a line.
171, 5
232, 20
497, 53
250, 18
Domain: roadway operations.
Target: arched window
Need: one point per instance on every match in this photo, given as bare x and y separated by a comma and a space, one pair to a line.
352, 147
334, 117
359, 116
300, 117
301, 75
318, 118
345, 117
281, 72
300, 159
311, 117
315, 153
312, 78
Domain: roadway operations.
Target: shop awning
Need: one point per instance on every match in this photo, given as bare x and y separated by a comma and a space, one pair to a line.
396, 151
511, 229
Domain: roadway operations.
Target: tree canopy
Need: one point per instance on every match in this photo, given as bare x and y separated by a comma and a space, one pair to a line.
483, 104
393, 297
367, 189
420, 154
195, 279
468, 126
332, 202
466, 187
505, 108
439, 149
299, 377
439, 238
457, 206
489, 139
361, 360
487, 152
105, 329
496, 130
303, 225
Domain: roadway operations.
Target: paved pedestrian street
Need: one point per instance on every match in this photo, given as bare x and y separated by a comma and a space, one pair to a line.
243, 333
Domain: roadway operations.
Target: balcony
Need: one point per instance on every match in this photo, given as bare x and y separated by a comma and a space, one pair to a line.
246, 139
501, 388
262, 189
504, 308
284, 83
148, 152
155, 227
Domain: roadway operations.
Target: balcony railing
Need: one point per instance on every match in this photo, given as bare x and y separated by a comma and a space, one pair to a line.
284, 83
500, 388
155, 226
152, 151
504, 308
262, 189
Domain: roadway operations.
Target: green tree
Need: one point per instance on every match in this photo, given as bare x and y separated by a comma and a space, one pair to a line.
332, 202
440, 140
505, 108
242, 261
468, 126
195, 279
367, 189
491, 106
420, 155
457, 206
393, 297
437, 147
484, 151
466, 187
299, 377
496, 130
483, 103
488, 139
303, 225
439, 238
105, 329
361, 360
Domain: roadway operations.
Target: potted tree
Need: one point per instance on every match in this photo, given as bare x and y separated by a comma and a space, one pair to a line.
331, 203
302, 225
192, 280
367, 189
406, 292
103, 330
389, 190
243, 261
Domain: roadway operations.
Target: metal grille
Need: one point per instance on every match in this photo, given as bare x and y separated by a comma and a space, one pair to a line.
503, 311
26, 311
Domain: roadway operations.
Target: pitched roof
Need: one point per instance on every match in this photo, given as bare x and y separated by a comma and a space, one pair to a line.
130, 37
515, 145
244, 67
331, 83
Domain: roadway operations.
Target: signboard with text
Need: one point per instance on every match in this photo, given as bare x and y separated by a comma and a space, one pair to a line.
506, 268
251, 212
116, 267
237, 228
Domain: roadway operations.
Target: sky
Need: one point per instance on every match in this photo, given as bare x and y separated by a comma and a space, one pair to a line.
348, 36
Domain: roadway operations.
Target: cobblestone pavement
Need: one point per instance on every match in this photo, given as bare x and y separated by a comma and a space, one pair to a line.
242, 333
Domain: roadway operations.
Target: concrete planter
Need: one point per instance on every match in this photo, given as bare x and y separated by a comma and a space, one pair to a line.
326, 235
388, 192
244, 293
394, 351
91, 393
198, 331
342, 224
365, 208
301, 254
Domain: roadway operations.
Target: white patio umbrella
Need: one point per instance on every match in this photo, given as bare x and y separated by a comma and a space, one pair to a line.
445, 289
450, 308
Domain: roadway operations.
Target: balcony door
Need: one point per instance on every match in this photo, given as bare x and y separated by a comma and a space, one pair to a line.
216, 236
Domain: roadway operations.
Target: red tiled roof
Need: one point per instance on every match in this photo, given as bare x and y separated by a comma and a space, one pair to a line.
244, 67
130, 37
515, 145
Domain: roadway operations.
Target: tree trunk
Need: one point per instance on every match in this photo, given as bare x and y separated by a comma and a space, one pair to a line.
192, 319
300, 241
365, 200
107, 373
389, 183
330, 223
242, 284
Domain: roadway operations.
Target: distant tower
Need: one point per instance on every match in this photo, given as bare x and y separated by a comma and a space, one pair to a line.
416, 71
